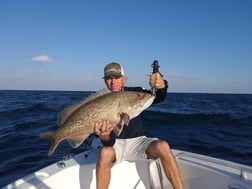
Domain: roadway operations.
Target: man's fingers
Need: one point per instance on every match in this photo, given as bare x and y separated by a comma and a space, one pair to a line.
156, 80
97, 128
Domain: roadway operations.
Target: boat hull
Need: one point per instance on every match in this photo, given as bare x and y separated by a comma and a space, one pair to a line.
197, 172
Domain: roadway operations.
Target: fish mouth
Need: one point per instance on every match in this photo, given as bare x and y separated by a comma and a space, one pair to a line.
150, 99
147, 96
150, 95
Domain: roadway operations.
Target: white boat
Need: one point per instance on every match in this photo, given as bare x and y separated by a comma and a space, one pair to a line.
198, 172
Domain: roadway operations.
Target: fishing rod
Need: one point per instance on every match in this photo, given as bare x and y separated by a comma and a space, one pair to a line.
155, 67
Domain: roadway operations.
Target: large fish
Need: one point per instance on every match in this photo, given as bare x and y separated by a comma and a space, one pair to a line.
77, 121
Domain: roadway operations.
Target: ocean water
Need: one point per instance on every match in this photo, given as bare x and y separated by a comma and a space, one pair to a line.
217, 125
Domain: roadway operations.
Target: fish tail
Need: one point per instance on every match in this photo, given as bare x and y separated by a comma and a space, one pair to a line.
50, 136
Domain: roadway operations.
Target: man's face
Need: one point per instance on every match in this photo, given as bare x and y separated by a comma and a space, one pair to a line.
115, 83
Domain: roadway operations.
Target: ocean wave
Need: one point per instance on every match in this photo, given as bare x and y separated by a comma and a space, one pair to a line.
37, 107
215, 125
191, 115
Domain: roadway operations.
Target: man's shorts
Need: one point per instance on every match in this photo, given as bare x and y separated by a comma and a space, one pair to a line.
132, 149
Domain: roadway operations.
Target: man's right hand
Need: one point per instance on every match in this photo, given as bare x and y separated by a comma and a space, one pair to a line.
103, 130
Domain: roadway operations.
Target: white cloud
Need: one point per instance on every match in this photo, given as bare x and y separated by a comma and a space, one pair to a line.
180, 76
175, 75
42, 70
43, 58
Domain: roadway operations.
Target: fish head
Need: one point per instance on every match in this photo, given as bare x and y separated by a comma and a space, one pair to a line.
133, 103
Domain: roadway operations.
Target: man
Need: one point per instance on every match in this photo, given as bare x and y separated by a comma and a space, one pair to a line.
141, 147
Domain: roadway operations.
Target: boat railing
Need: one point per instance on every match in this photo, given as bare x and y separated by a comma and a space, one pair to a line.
159, 173
245, 171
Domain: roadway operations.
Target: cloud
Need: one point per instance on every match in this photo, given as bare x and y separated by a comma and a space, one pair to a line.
180, 76
176, 75
42, 70
42, 59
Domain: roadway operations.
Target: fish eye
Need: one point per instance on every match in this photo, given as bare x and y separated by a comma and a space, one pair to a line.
140, 96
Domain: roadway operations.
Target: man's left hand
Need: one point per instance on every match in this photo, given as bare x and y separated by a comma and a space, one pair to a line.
156, 81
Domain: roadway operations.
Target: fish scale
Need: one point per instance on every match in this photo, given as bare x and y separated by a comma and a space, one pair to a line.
76, 122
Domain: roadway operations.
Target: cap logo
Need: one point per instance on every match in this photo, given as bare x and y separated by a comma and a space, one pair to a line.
113, 69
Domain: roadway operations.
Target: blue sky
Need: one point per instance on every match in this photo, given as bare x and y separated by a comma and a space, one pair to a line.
202, 45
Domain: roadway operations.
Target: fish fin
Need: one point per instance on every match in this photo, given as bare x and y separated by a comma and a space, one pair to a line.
68, 111
96, 95
65, 114
118, 129
50, 136
76, 141
123, 121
